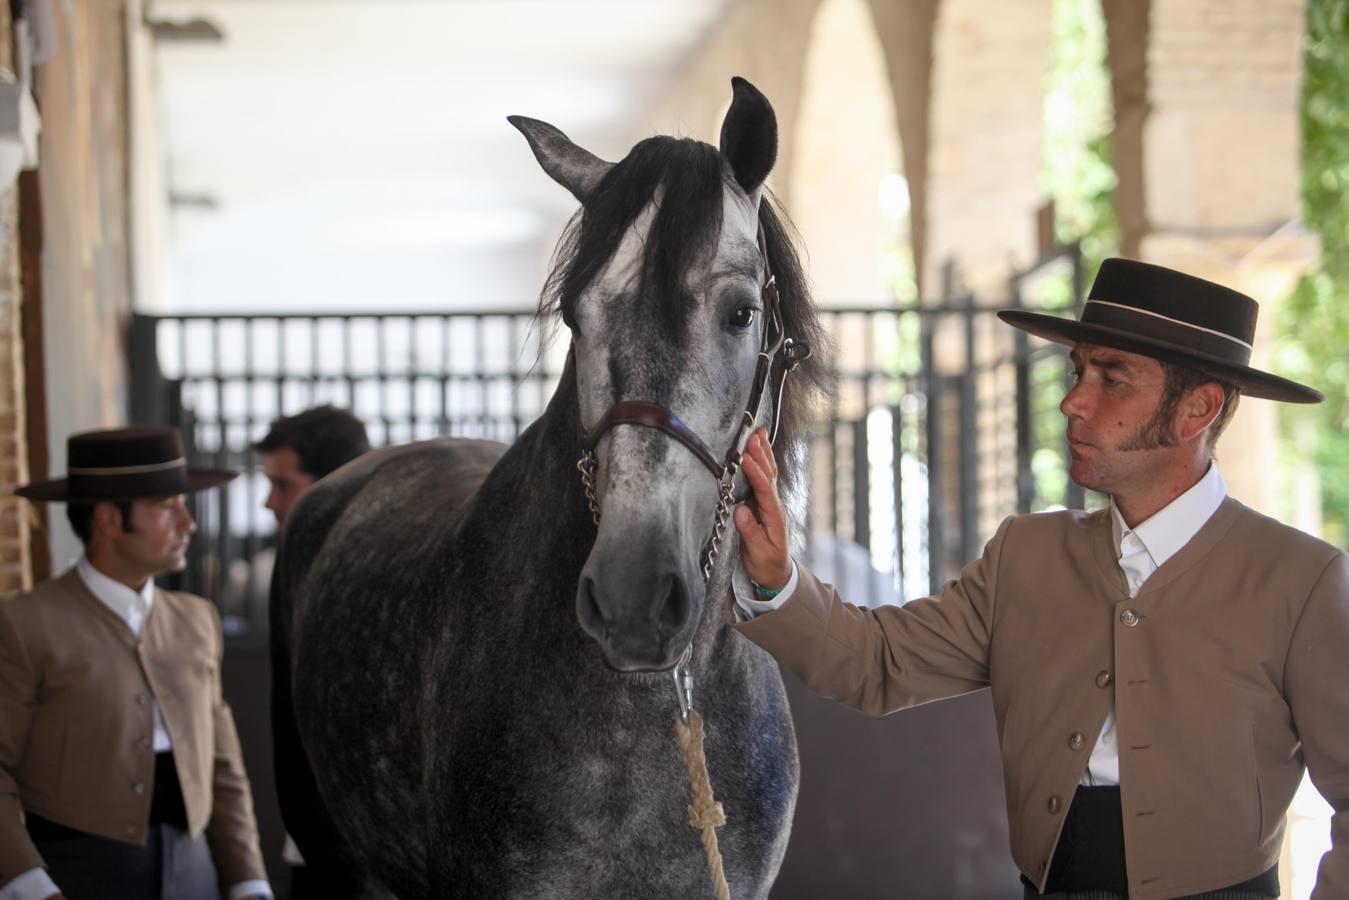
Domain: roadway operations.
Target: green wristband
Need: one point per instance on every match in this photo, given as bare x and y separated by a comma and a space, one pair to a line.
762, 591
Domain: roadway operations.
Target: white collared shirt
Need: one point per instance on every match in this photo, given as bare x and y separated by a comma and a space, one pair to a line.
132, 607
1141, 551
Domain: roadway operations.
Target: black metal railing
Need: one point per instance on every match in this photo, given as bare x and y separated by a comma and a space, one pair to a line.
943, 420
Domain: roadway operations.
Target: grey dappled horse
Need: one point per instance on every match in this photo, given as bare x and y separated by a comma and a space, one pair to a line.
475, 667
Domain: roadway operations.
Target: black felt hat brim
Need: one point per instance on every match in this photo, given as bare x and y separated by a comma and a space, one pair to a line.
1252, 382
57, 490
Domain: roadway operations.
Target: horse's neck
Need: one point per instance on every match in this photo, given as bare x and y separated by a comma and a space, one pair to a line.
532, 504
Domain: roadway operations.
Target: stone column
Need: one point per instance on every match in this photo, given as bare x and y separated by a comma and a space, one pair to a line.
85, 268
1209, 167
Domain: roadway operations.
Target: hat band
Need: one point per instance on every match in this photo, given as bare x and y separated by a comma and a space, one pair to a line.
178, 463
125, 481
1155, 326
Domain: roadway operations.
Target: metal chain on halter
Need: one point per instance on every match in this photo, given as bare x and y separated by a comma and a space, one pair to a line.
586, 466
725, 500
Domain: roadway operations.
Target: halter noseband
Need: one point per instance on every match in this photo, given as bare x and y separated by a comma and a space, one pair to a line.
773, 345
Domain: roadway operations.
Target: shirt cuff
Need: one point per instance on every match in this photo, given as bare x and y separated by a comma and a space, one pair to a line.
35, 884
255, 888
750, 604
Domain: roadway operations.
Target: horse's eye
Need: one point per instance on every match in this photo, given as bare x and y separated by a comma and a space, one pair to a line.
742, 317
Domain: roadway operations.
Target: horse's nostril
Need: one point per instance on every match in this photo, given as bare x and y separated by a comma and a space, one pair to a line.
676, 606
588, 610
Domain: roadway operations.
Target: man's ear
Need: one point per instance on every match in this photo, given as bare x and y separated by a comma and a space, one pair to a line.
1200, 409
107, 520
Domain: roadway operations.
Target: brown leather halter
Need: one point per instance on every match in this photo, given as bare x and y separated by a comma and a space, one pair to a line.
773, 344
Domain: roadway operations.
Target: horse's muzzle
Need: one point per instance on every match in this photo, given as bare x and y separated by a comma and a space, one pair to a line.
639, 622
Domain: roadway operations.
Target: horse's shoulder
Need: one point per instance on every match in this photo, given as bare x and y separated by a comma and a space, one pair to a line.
403, 480
437, 452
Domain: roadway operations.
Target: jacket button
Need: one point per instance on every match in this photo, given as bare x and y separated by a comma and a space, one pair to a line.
138, 787
143, 743
1103, 678
1129, 618
1076, 741
131, 829
142, 699
1054, 804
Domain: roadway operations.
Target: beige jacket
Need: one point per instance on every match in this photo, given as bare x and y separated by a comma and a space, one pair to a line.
76, 725
1229, 673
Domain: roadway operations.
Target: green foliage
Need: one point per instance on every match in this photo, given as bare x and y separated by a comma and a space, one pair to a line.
1079, 169
1314, 323
1079, 175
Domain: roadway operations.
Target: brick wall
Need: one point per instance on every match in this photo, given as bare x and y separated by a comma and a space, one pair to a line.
15, 559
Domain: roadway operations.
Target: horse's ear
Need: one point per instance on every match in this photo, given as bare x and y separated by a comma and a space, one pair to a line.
749, 136
575, 168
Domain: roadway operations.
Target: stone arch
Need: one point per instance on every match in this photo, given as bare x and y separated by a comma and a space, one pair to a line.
905, 28
762, 40
984, 150
848, 199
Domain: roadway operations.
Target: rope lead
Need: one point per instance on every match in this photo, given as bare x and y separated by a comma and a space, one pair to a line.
705, 813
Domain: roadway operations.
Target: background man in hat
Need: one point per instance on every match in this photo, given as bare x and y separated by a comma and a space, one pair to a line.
120, 769
1163, 670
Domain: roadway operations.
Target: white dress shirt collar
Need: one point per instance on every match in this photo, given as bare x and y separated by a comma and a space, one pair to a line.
1172, 527
130, 606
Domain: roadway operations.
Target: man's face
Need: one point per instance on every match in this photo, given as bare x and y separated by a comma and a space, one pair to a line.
1118, 433
155, 539
288, 480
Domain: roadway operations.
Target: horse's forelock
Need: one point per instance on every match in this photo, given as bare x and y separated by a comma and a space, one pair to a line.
686, 179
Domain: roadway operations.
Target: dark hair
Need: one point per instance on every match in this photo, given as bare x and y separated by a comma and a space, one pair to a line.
81, 516
1180, 380
325, 438
688, 172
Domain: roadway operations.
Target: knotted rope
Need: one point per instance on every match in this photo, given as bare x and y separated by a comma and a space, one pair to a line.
705, 813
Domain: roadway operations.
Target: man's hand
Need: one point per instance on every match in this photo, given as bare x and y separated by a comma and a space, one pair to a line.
762, 522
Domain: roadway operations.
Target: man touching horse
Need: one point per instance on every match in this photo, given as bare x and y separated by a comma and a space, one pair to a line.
1198, 662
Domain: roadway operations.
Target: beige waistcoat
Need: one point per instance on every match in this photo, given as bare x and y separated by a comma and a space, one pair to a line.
76, 727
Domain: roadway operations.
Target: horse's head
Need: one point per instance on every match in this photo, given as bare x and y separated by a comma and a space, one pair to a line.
661, 280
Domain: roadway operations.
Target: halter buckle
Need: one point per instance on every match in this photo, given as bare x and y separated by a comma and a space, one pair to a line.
794, 353
683, 680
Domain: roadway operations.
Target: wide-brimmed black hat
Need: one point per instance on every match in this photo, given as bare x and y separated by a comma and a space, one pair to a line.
120, 464
1168, 315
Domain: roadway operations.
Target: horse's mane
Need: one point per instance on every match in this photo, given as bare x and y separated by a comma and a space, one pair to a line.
689, 176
